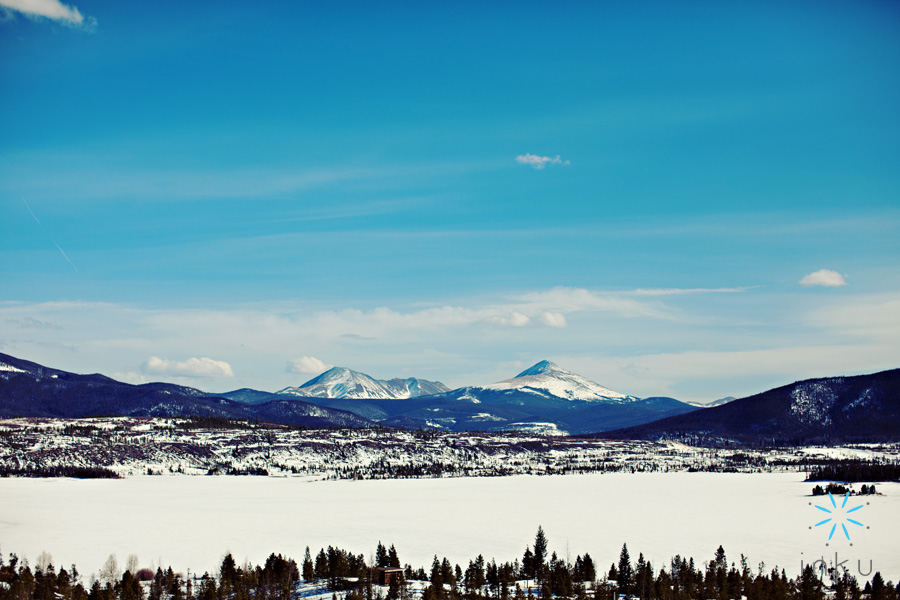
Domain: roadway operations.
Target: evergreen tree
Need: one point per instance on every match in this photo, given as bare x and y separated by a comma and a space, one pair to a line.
437, 578
540, 548
309, 570
878, 587
625, 572
810, 588
528, 564
588, 572
540, 555
381, 556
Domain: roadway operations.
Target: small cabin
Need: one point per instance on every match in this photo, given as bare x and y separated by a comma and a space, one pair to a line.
387, 575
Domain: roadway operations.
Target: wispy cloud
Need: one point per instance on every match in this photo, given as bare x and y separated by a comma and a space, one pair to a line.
308, 365
31, 323
50, 9
824, 278
685, 291
565, 300
55, 243
539, 162
192, 367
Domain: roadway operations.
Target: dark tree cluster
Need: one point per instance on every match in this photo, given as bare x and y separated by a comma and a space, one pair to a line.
837, 489
854, 471
77, 472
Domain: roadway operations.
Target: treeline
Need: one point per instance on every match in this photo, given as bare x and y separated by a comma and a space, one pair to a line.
538, 574
854, 471
273, 581
60, 471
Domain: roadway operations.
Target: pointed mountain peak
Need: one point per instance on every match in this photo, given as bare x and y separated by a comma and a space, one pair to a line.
334, 372
544, 367
549, 378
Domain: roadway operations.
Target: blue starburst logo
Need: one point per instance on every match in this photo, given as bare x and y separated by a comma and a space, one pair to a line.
838, 516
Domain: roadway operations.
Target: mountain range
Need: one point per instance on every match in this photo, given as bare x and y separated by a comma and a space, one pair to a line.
544, 398
28, 389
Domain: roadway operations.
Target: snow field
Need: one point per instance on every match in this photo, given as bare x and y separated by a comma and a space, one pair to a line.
191, 522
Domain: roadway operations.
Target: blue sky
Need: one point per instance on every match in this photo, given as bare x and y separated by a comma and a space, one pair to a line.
236, 194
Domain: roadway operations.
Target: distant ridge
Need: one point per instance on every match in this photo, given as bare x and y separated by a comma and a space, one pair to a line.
830, 410
28, 389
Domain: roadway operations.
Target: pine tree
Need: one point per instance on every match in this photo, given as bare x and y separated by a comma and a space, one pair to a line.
878, 587
437, 578
625, 571
588, 571
309, 571
528, 564
540, 555
540, 548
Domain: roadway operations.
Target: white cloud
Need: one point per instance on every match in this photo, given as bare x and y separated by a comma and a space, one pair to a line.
566, 300
694, 346
192, 367
515, 319
307, 365
824, 278
553, 319
685, 291
539, 162
50, 9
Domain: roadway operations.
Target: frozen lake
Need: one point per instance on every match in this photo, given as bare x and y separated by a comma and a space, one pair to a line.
191, 522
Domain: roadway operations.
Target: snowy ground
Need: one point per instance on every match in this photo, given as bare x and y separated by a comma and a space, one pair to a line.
134, 446
190, 522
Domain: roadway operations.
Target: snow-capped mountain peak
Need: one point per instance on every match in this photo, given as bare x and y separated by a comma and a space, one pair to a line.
546, 377
545, 367
341, 382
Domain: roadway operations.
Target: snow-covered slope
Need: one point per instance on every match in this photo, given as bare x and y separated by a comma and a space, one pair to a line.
548, 378
341, 382
718, 402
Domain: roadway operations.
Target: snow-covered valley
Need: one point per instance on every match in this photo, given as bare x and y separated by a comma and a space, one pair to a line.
191, 522
431, 495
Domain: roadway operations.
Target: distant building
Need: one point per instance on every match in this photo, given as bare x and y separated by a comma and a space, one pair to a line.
387, 575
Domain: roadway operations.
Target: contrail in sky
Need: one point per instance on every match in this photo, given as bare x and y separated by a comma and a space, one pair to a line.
32, 212
55, 243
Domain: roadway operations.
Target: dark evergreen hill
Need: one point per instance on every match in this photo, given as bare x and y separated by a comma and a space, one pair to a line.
832, 410
250, 396
28, 389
